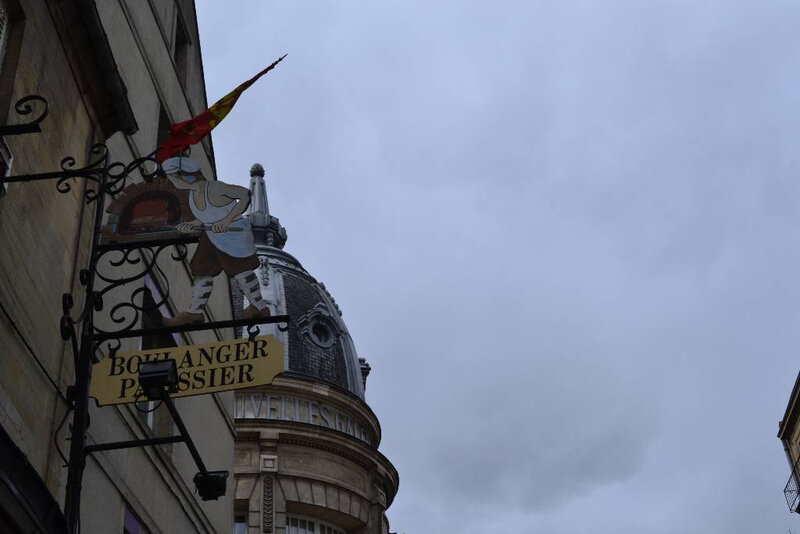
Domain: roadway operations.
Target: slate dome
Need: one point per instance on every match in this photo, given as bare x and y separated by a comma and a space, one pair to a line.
319, 346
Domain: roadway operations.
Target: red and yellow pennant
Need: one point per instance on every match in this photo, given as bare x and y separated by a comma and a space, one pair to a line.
186, 133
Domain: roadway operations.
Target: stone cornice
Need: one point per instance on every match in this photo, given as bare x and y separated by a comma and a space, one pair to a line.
289, 384
289, 433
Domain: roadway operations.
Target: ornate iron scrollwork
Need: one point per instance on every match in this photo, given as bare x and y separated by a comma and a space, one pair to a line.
120, 271
115, 266
92, 171
118, 173
127, 312
108, 177
25, 106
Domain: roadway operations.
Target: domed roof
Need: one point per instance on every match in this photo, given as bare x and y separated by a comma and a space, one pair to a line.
319, 346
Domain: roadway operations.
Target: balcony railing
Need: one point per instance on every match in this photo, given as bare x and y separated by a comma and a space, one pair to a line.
792, 489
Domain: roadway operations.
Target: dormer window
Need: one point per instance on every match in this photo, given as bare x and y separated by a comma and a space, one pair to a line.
321, 334
319, 327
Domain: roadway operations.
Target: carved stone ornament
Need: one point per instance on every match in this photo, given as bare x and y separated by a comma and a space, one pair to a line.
263, 271
268, 505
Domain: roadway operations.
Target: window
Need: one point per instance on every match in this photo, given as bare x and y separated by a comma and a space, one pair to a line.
301, 526
154, 310
240, 525
6, 159
181, 51
319, 327
145, 410
163, 126
12, 25
321, 332
5, 22
240, 515
133, 525
305, 525
11, 22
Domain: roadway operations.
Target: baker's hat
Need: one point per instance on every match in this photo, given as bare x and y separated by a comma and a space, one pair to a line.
180, 165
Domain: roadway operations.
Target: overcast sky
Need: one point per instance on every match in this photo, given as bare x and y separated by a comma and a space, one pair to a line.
563, 233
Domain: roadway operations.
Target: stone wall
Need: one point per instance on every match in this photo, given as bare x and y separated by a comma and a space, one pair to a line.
44, 239
290, 468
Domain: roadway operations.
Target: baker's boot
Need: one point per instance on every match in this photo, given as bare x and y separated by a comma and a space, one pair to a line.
251, 312
184, 318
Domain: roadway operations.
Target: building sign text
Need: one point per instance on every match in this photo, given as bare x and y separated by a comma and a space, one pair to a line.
202, 369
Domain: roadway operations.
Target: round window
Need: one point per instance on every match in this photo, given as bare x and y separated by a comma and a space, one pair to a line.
321, 334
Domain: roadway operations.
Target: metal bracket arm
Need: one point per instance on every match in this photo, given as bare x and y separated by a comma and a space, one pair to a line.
250, 323
183, 437
185, 434
24, 107
89, 449
130, 245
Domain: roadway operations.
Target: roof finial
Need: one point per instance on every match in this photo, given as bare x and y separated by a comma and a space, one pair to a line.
259, 207
267, 230
256, 170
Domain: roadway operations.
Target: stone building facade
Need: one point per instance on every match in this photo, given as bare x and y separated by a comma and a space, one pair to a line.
789, 434
307, 459
116, 72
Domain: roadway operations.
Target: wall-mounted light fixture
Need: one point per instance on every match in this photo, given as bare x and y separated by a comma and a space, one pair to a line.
158, 378
211, 484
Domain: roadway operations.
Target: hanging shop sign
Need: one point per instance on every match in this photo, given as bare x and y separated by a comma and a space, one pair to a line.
185, 204
202, 369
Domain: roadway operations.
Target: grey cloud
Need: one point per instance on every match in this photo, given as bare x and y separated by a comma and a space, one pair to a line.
563, 233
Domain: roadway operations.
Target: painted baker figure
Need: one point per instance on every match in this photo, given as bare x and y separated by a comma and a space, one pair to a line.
226, 243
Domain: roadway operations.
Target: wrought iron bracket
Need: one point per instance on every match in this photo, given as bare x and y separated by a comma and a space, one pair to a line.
114, 445
147, 243
24, 107
183, 437
252, 328
109, 177
184, 433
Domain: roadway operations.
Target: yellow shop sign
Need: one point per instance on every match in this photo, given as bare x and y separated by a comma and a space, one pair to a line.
202, 369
